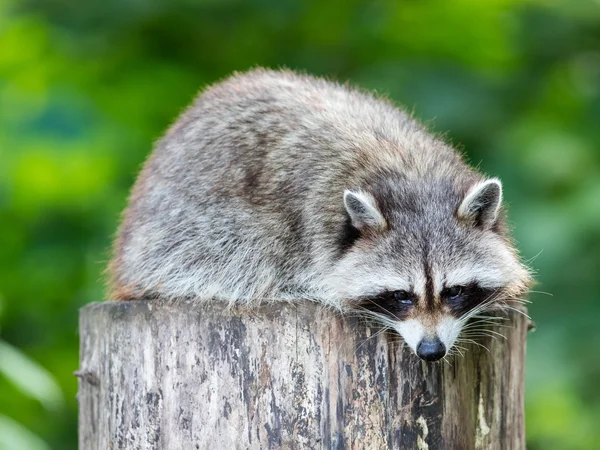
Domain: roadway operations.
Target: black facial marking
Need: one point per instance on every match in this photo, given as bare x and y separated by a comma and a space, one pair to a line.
429, 292
462, 299
393, 304
348, 235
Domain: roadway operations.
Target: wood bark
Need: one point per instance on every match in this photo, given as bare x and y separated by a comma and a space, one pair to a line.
180, 376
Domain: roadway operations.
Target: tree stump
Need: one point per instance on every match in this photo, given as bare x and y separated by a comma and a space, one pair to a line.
157, 375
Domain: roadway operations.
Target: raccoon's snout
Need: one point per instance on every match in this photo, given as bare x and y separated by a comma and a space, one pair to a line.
431, 349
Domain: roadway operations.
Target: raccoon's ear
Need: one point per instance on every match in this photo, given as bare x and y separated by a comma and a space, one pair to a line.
363, 210
482, 203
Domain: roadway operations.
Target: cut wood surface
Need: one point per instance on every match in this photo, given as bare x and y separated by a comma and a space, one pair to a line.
179, 376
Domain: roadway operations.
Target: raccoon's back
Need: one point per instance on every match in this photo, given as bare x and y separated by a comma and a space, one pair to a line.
242, 197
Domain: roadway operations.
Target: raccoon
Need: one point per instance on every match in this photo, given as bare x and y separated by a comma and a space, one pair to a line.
277, 186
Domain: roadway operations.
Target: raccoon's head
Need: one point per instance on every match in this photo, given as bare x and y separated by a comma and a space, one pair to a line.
424, 256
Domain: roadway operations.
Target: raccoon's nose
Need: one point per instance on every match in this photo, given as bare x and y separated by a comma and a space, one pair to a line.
431, 349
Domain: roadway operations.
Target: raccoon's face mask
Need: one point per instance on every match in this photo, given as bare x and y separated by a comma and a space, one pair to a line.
425, 269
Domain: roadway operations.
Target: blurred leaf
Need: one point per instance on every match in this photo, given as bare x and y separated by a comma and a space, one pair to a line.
14, 436
29, 377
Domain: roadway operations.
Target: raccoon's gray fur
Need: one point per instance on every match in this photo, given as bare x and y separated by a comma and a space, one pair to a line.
279, 186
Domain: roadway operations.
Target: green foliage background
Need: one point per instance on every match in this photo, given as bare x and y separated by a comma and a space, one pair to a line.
86, 87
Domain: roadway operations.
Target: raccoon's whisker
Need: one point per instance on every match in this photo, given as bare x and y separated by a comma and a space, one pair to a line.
483, 330
517, 303
465, 320
482, 327
470, 331
472, 341
519, 297
457, 349
373, 336
476, 334
445, 359
379, 318
534, 257
489, 323
492, 320
486, 322
517, 310
483, 316
481, 336
386, 310
364, 313
476, 327
384, 329
522, 301
480, 308
541, 292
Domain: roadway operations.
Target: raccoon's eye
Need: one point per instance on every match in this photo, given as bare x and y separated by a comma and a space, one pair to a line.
452, 293
403, 297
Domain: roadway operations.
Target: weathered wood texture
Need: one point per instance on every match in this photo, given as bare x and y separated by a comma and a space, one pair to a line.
179, 376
